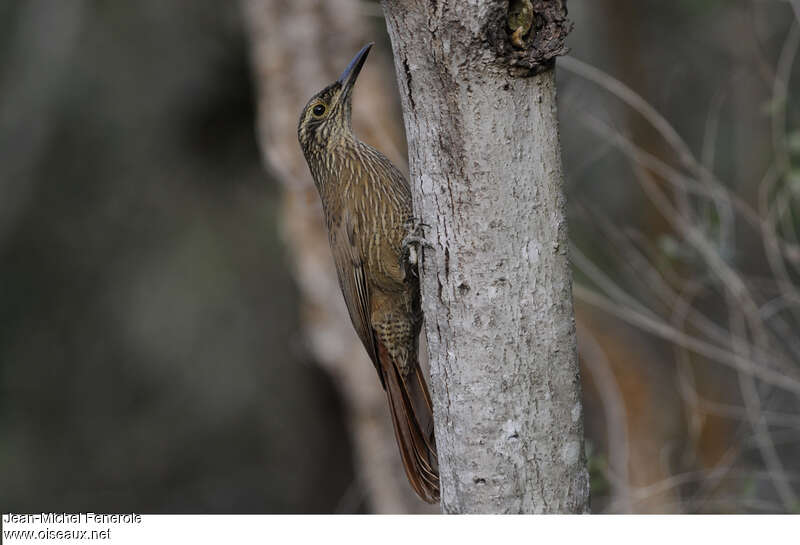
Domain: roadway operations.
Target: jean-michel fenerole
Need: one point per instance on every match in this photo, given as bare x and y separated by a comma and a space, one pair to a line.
72, 518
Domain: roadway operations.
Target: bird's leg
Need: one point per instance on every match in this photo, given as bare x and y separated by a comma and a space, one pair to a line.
413, 243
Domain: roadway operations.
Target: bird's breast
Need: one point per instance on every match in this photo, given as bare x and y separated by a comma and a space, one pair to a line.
362, 186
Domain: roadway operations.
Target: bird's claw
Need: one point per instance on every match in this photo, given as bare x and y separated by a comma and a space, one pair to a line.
415, 233
413, 242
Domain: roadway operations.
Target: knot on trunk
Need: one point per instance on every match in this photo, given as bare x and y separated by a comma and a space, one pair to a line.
530, 34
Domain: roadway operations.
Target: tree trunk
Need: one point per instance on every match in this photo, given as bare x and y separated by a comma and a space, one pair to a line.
298, 47
479, 99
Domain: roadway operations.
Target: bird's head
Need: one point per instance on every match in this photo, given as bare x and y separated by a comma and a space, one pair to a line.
326, 117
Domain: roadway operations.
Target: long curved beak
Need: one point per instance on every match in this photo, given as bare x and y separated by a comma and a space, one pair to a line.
348, 77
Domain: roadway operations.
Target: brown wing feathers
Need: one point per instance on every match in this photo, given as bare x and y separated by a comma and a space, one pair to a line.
409, 400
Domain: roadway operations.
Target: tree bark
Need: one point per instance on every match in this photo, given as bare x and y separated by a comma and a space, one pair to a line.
298, 47
479, 101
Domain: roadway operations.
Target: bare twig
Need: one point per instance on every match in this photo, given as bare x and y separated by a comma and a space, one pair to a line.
616, 418
752, 404
698, 346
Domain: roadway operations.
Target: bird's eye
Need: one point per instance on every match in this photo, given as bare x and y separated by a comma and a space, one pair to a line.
318, 110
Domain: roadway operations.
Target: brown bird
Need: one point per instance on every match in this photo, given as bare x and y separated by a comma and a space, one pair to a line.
373, 237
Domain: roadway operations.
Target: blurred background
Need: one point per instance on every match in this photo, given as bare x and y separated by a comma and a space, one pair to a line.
171, 336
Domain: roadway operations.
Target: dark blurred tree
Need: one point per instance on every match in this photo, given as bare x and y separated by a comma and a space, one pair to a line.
149, 348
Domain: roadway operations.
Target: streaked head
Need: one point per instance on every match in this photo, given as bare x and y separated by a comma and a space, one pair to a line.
327, 114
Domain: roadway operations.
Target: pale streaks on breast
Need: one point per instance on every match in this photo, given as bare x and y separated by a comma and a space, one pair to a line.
363, 181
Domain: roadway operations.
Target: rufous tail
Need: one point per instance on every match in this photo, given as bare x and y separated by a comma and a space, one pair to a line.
412, 416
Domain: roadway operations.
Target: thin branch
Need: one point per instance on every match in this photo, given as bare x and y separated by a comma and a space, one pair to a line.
698, 346
752, 403
616, 417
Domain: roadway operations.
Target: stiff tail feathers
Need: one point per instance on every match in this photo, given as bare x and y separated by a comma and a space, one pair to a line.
412, 417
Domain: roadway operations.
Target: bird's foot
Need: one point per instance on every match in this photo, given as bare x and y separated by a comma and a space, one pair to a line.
414, 242
415, 234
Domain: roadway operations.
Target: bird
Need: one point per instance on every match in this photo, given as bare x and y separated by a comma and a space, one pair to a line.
374, 239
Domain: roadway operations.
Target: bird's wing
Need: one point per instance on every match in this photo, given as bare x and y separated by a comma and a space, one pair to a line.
351, 269
412, 421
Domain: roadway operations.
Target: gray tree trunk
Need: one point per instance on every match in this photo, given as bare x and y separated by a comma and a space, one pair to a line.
479, 99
